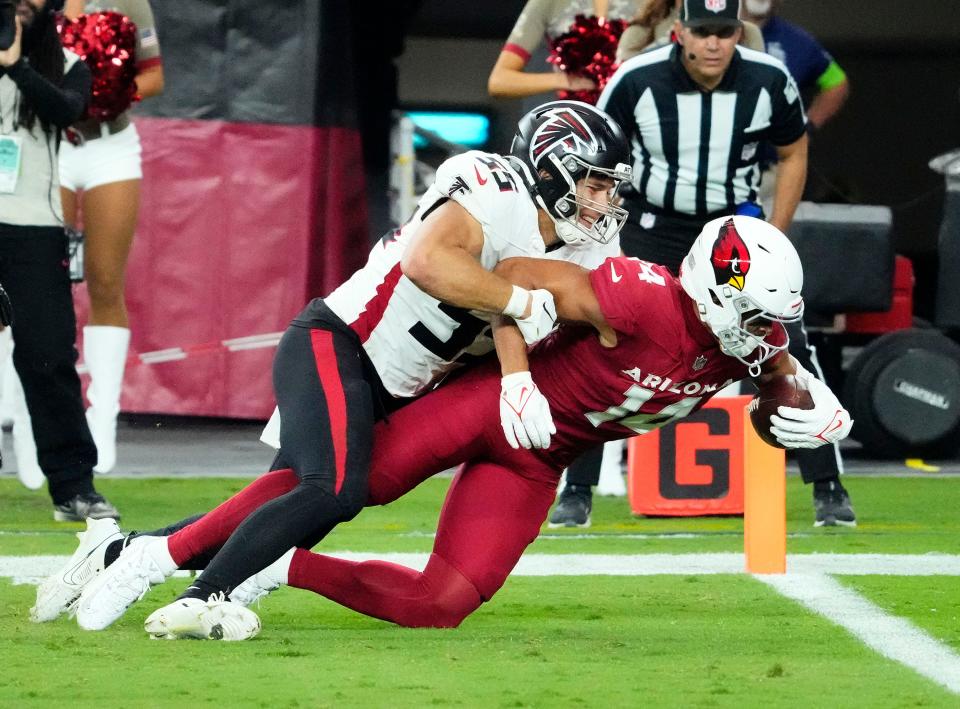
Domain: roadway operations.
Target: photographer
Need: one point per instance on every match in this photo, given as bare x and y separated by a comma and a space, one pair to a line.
42, 90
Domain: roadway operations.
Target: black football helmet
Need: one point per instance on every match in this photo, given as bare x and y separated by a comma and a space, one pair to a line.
558, 144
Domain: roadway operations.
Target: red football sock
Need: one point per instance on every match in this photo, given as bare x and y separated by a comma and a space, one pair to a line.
440, 597
213, 529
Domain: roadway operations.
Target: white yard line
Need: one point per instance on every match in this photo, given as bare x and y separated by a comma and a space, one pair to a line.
893, 637
28, 569
688, 564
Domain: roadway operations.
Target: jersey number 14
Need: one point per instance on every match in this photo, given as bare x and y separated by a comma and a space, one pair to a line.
626, 414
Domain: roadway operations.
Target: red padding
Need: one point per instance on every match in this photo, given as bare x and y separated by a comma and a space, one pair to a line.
240, 225
900, 315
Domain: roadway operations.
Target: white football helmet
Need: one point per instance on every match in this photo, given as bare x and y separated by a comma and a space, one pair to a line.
742, 271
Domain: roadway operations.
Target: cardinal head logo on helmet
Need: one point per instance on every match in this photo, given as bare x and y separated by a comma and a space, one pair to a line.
730, 258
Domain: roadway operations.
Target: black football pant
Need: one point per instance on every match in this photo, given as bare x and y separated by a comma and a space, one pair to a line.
34, 272
667, 242
327, 413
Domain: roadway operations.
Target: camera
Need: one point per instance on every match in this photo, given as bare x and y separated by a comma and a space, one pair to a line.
8, 23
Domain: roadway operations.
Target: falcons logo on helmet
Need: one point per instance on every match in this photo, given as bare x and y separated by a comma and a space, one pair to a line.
563, 127
730, 258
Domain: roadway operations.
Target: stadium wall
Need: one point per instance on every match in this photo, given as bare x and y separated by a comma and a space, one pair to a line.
252, 196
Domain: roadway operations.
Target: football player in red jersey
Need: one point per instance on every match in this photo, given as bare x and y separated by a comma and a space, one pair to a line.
658, 349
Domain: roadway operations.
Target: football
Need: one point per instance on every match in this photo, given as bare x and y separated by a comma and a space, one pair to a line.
776, 390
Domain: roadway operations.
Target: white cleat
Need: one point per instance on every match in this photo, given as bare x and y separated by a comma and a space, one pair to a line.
58, 593
123, 583
264, 582
213, 619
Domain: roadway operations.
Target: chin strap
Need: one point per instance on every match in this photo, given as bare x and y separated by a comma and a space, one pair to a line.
565, 229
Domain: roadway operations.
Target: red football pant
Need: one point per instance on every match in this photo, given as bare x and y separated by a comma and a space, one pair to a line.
211, 531
490, 516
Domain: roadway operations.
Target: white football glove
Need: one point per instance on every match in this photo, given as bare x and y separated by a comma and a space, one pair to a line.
543, 317
524, 412
827, 422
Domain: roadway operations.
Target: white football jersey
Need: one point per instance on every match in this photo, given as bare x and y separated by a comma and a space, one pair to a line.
412, 338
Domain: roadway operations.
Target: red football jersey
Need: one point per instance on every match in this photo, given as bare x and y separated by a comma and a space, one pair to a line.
666, 364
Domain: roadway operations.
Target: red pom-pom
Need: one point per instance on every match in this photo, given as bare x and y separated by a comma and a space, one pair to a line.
589, 49
107, 42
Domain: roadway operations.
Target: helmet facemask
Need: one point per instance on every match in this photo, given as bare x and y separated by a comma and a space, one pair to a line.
565, 206
737, 337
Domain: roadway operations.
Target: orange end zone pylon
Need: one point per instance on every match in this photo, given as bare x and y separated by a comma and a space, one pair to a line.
764, 504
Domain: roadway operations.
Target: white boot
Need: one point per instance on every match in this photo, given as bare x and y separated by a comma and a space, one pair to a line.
611, 482
24, 447
105, 353
15, 410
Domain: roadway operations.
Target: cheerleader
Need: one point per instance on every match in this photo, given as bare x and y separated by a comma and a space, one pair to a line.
100, 186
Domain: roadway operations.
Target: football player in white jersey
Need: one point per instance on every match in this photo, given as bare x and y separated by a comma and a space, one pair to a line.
419, 308
422, 304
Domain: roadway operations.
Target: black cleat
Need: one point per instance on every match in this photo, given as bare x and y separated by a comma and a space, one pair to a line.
832, 508
87, 504
573, 509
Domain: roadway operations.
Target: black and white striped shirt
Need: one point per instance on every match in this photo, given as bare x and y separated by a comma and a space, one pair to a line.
696, 152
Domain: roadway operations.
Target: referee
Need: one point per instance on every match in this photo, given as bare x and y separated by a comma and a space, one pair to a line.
696, 112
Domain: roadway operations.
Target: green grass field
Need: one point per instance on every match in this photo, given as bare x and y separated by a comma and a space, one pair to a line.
720, 640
